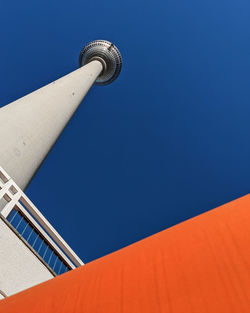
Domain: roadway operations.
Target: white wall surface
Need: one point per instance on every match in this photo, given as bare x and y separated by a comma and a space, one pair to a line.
20, 268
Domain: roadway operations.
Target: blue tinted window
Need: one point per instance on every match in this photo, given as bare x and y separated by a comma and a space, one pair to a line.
37, 242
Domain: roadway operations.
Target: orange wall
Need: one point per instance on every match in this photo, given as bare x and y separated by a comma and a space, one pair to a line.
201, 265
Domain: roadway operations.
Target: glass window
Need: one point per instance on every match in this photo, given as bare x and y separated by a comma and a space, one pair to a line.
37, 242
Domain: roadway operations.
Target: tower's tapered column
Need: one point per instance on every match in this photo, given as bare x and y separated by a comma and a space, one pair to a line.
30, 126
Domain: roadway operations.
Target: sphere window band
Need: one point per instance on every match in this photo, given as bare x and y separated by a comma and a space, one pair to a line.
108, 54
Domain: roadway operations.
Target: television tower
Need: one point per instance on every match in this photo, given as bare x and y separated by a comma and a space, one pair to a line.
31, 250
30, 126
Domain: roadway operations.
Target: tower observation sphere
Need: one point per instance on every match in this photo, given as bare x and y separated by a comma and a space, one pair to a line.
108, 54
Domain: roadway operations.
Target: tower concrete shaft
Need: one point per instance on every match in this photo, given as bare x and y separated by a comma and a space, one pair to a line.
30, 126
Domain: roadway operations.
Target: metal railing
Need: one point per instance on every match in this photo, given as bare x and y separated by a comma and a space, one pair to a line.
28, 222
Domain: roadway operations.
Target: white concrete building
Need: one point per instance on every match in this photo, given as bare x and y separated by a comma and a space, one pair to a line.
31, 251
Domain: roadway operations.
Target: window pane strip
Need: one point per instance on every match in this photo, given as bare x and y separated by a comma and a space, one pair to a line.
24, 229
59, 266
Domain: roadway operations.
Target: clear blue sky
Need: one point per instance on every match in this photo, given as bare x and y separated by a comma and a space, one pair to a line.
167, 141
